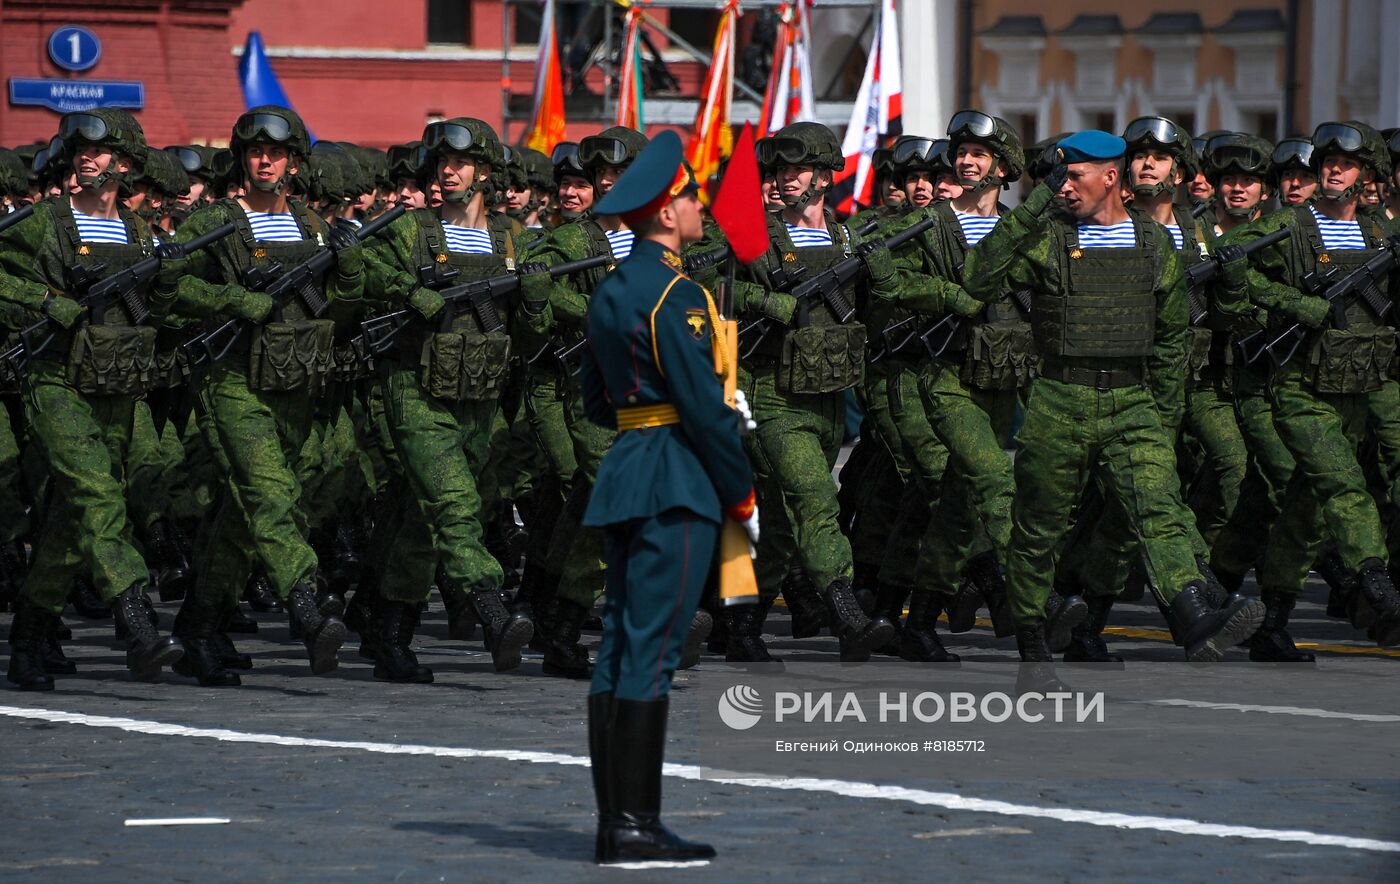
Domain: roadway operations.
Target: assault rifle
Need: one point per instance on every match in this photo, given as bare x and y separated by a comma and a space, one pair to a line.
98, 293
1364, 282
703, 260
379, 333
938, 337
1202, 273
303, 281
18, 215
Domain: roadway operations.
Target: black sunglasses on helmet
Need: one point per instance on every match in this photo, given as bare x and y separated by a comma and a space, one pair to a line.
1293, 152
88, 127
263, 127
1339, 136
1156, 129
602, 150
775, 152
453, 136
911, 150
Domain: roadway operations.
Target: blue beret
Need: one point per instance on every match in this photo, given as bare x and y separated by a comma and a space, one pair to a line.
650, 177
1092, 145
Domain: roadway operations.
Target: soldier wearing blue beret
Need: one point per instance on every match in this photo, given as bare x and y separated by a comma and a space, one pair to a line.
676, 470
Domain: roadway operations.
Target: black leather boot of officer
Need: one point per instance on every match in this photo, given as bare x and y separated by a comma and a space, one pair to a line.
505, 632
1086, 644
564, 657
173, 576
1062, 614
701, 625
1208, 632
13, 566
1272, 643
146, 650
55, 661
809, 614
857, 632
1377, 603
600, 709
987, 574
322, 635
962, 610
889, 603
229, 655
633, 835
461, 616
744, 624
28, 631
1341, 584
237, 620
195, 626
260, 595
1036, 674
394, 660
919, 640
85, 600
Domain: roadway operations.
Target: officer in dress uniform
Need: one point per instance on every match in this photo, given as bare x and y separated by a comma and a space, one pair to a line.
676, 470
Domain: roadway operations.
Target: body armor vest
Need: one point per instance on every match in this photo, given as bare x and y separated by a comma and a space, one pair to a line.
1108, 308
1208, 353
106, 356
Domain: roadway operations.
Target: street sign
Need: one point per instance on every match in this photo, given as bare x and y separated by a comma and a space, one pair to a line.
74, 48
64, 96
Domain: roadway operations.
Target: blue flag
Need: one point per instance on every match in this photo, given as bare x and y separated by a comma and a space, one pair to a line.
259, 81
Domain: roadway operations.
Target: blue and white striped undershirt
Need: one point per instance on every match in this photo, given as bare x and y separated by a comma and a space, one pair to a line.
1339, 234
108, 230
274, 227
472, 240
1112, 236
621, 242
1177, 239
975, 227
809, 237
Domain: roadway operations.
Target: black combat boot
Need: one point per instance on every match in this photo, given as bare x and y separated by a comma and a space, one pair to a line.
962, 610
718, 642
987, 574
55, 661
1341, 584
146, 650
173, 575
564, 657
1086, 644
322, 635
600, 708
1221, 594
237, 620
228, 654
394, 660
809, 614
359, 610
1272, 643
1036, 674
29, 631
260, 595
86, 601
1207, 632
863, 585
857, 632
13, 567
701, 625
889, 603
461, 616
633, 834
195, 626
919, 641
744, 623
1376, 603
1062, 614
505, 632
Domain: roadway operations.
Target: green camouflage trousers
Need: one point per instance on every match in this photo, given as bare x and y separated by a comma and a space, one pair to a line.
14, 518
437, 518
1211, 418
84, 441
927, 459
1326, 499
876, 473
1073, 433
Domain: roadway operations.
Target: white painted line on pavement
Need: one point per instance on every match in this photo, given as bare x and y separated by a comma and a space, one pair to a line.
946, 800
1274, 710
179, 821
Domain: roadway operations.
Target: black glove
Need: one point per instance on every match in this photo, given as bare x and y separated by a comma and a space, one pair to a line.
172, 265
170, 250
1234, 266
534, 268
1057, 176
342, 235
349, 256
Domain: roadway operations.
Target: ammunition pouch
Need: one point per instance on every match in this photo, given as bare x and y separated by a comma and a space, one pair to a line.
112, 360
292, 356
999, 356
822, 359
456, 366
1347, 362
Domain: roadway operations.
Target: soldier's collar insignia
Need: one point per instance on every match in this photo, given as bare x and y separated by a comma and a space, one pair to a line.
695, 318
671, 259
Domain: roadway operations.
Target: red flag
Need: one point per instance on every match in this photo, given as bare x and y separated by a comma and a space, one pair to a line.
738, 207
547, 127
712, 140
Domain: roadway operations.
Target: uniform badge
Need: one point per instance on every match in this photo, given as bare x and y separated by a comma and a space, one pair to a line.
259, 253
789, 257
696, 320
672, 260
441, 258
84, 250
1076, 254
1324, 258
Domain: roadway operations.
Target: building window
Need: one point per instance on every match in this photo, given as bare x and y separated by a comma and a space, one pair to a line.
448, 22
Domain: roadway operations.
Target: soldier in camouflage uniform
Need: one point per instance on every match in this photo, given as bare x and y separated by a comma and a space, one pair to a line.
1320, 395
443, 380
14, 504
1109, 318
256, 403
79, 410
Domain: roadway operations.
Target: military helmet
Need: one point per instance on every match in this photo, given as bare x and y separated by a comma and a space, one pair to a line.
322, 178
163, 171
801, 144
1294, 152
270, 124
1356, 140
539, 173
1161, 133
614, 146
565, 161
359, 176
409, 160
225, 169
196, 159
465, 135
374, 163
996, 134
1240, 154
14, 177
1392, 146
882, 161
914, 153
110, 127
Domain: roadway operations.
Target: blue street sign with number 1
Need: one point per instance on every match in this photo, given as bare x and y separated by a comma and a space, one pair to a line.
74, 48
65, 96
